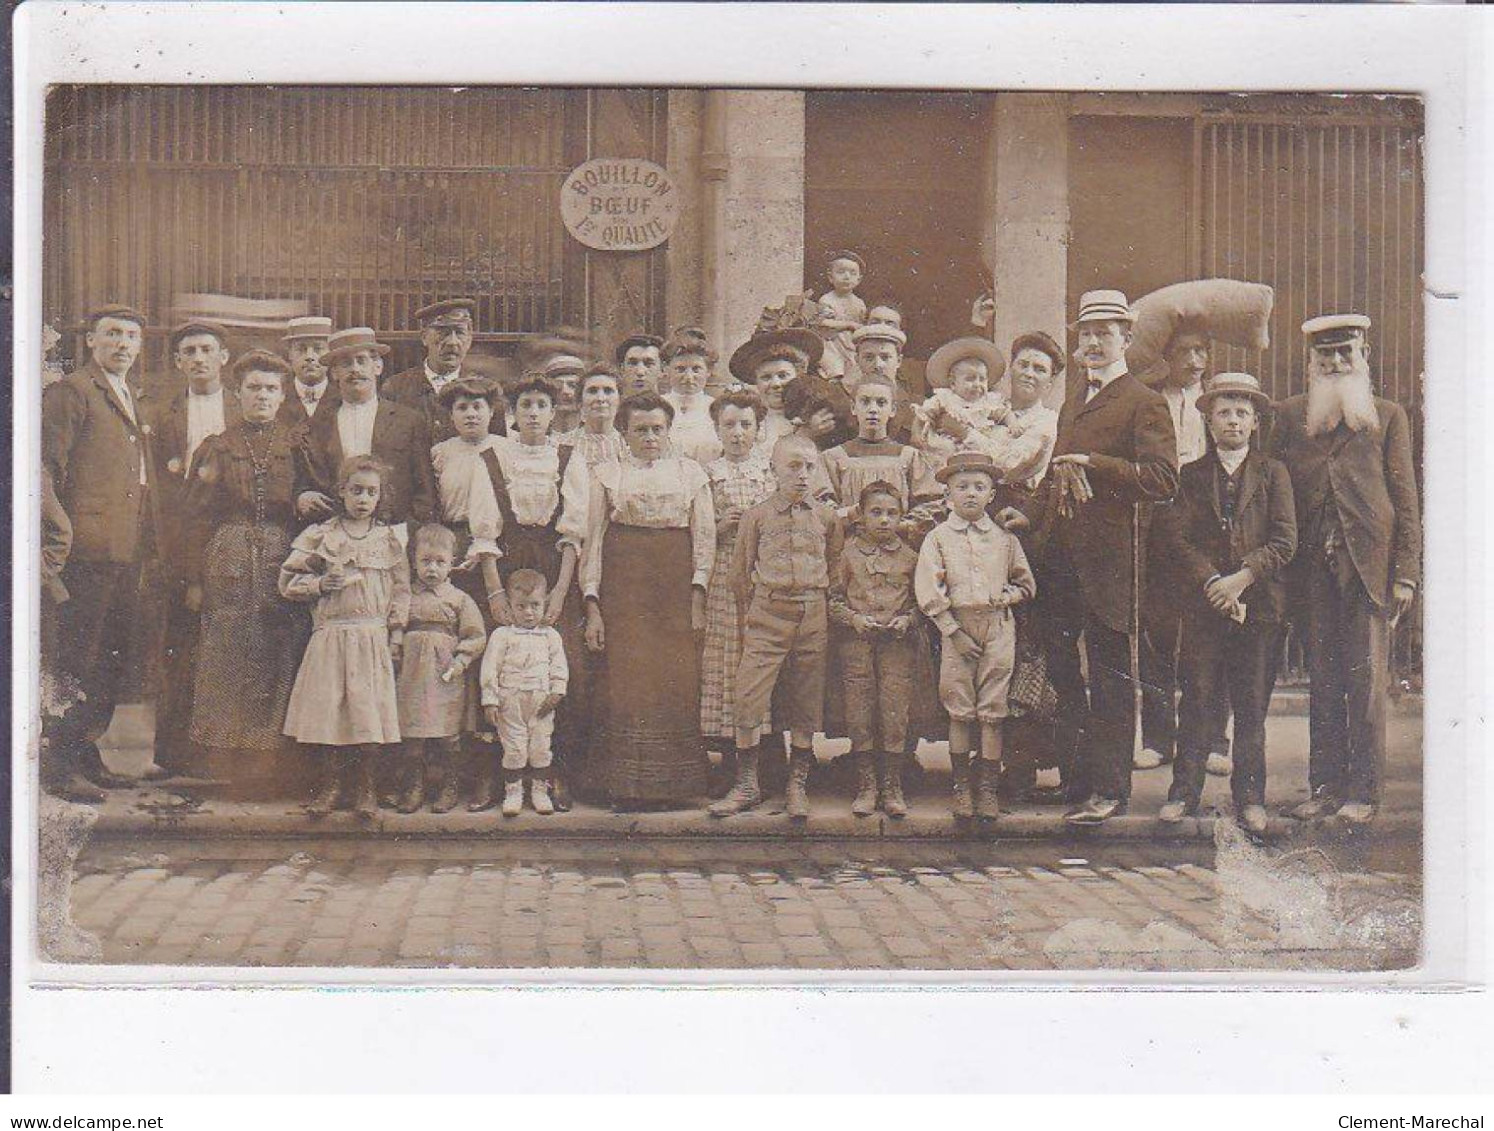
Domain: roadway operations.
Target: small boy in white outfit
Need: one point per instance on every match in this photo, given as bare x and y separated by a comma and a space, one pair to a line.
524, 677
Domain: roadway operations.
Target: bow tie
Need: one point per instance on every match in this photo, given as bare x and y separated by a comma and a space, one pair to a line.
1093, 385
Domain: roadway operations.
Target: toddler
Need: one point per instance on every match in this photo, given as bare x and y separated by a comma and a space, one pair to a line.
962, 374
344, 703
524, 676
842, 310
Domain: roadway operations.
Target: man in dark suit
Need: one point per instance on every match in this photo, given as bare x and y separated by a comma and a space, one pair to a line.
1356, 573
311, 393
95, 445
1229, 536
199, 352
364, 424
446, 332
1115, 452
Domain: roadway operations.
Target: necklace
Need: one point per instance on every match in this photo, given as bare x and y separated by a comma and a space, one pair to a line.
355, 537
259, 462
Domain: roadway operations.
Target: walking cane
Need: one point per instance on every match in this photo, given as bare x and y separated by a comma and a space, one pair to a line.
1135, 623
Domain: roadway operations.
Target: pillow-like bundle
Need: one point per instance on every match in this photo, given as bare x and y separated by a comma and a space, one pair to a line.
1228, 310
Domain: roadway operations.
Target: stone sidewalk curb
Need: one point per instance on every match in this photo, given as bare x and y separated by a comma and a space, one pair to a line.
269, 821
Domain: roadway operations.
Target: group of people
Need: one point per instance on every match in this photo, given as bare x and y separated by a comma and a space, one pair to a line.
433, 590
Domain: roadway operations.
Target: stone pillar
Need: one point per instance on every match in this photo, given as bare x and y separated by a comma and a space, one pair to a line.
753, 227
684, 301
1025, 237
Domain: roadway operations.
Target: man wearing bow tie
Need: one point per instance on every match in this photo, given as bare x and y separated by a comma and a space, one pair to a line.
1116, 451
95, 445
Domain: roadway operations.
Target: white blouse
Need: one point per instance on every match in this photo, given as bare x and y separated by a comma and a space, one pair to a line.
672, 493
693, 433
531, 472
466, 493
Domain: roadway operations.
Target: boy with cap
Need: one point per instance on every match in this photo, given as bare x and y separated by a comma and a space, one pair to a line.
1230, 532
446, 332
311, 392
842, 312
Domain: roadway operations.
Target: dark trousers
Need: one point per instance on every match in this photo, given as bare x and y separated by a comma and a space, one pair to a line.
878, 674
1097, 721
1224, 666
1348, 644
94, 630
178, 680
1161, 634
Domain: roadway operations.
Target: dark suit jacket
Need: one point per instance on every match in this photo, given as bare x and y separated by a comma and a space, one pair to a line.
411, 389
1127, 432
400, 439
1372, 478
293, 412
94, 453
169, 449
1263, 535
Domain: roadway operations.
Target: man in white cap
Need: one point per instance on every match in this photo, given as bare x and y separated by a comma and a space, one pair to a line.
447, 330
1115, 452
824, 403
366, 424
305, 346
1358, 561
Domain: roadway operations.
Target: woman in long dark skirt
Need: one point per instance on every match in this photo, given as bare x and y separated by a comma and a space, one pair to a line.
649, 548
241, 499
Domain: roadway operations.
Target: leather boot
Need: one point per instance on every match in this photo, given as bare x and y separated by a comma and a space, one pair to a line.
484, 787
451, 783
744, 793
892, 787
560, 792
964, 804
865, 803
412, 787
987, 777
365, 798
324, 800
796, 793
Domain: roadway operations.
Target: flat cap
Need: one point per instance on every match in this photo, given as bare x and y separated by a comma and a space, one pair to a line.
879, 332
1335, 329
563, 363
307, 326
448, 312
195, 326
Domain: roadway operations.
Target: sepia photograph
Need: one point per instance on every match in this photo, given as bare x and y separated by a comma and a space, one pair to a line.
687, 529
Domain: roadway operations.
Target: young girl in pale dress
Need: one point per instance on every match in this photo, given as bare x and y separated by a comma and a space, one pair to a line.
344, 705
443, 640
741, 478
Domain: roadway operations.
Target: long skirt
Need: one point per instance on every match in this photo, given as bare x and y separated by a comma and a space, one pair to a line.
251, 641
648, 695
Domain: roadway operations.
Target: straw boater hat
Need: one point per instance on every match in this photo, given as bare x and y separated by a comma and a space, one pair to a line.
352, 340
1335, 329
944, 358
1233, 385
747, 355
968, 461
309, 326
1104, 306
195, 326
447, 312
563, 363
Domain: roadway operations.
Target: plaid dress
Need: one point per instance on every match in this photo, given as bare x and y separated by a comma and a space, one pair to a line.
742, 485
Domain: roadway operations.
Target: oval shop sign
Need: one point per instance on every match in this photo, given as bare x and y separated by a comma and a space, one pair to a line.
619, 204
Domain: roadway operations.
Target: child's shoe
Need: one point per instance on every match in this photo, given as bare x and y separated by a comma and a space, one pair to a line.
513, 796
964, 804
987, 799
865, 803
482, 792
892, 786
539, 795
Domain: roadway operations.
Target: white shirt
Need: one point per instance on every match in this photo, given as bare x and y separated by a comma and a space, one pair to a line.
439, 381
122, 391
311, 395
1187, 421
204, 419
355, 426
1232, 460
1104, 375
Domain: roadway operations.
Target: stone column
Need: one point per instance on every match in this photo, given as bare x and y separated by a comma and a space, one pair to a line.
753, 223
1025, 237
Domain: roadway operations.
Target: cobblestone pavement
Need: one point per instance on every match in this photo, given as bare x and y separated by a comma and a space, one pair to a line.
753, 905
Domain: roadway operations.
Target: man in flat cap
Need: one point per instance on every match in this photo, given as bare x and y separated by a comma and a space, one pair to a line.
305, 345
640, 363
824, 403
1115, 452
446, 331
367, 424
199, 351
1358, 560
95, 446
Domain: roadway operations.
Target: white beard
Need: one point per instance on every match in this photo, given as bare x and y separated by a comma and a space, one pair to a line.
1350, 400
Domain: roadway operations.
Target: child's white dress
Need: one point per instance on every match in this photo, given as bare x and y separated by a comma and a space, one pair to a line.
983, 416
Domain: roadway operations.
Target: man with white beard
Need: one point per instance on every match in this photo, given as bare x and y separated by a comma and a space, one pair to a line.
1358, 559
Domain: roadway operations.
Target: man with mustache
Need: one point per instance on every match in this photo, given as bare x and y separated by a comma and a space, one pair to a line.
1358, 564
95, 442
199, 351
446, 332
1115, 451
